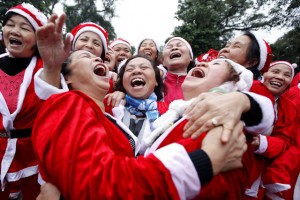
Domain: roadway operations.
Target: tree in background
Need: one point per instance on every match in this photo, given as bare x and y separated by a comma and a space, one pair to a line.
46, 6
288, 47
82, 11
210, 23
87, 10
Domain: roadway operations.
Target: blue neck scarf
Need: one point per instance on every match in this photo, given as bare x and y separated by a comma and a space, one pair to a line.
142, 107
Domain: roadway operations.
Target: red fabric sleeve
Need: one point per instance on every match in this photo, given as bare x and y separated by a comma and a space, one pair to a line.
87, 157
283, 134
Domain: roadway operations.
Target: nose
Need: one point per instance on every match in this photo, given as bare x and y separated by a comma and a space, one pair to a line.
136, 70
202, 64
15, 30
89, 45
98, 59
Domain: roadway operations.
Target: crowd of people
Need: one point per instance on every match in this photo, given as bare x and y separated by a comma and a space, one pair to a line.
85, 118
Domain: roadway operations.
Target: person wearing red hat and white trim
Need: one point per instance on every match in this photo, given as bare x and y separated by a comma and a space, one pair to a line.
280, 175
91, 37
178, 59
250, 51
122, 49
19, 101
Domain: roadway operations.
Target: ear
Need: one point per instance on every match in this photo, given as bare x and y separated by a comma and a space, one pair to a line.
253, 62
156, 84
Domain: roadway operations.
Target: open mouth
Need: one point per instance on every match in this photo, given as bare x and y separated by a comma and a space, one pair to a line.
199, 73
175, 55
148, 53
137, 82
14, 41
275, 83
100, 70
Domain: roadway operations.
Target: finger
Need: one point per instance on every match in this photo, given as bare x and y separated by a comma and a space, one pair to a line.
52, 18
60, 23
67, 44
108, 99
227, 131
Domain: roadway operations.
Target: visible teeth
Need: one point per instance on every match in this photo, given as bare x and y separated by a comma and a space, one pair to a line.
175, 55
137, 82
276, 83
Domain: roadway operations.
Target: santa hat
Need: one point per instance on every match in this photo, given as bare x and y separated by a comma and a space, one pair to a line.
32, 14
90, 26
119, 41
265, 54
207, 57
292, 66
184, 41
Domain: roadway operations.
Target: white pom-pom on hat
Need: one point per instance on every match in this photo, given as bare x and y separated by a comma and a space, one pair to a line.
31, 13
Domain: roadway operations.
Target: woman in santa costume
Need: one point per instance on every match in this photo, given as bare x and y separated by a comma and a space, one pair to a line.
283, 145
98, 156
20, 100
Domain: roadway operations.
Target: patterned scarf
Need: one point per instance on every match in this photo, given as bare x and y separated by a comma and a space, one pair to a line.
142, 107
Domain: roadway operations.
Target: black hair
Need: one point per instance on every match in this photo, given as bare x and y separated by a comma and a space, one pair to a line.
158, 90
253, 52
157, 60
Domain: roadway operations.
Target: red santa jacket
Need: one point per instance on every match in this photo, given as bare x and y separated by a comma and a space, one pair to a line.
17, 156
84, 153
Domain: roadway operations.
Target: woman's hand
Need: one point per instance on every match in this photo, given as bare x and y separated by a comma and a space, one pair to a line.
114, 99
209, 110
49, 192
225, 156
53, 50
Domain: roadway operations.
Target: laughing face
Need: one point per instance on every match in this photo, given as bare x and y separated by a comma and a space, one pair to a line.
176, 56
87, 73
237, 50
139, 78
89, 41
204, 77
19, 37
148, 48
278, 78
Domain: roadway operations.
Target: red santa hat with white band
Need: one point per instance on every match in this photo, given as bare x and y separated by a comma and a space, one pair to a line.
120, 41
31, 13
292, 66
90, 26
265, 54
184, 41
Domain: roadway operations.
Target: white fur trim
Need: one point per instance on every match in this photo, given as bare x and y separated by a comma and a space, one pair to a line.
292, 66
297, 189
263, 51
121, 64
44, 90
184, 41
92, 29
161, 138
268, 115
117, 41
184, 175
26, 172
7, 159
164, 70
253, 191
263, 144
41, 180
42, 19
